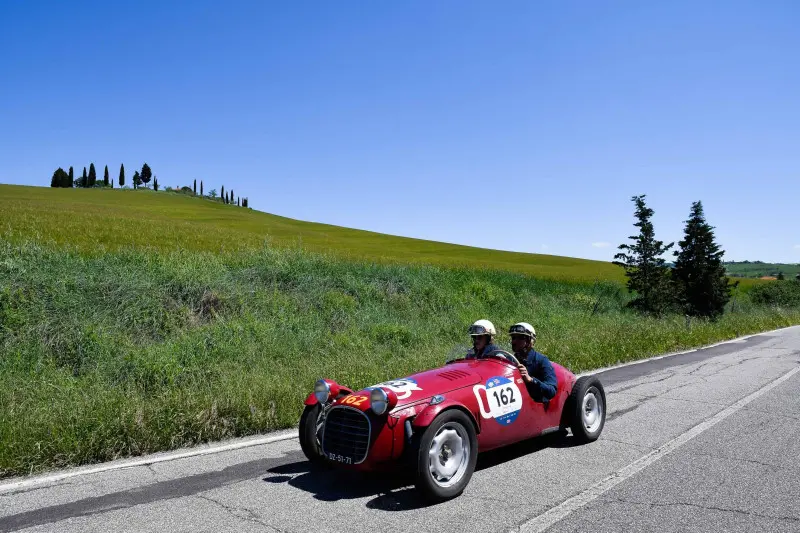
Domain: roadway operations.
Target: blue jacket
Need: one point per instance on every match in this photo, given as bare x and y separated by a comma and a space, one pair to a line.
544, 384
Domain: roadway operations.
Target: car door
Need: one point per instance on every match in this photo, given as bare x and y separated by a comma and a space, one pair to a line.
508, 413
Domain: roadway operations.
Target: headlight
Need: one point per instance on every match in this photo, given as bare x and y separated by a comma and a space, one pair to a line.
379, 401
322, 391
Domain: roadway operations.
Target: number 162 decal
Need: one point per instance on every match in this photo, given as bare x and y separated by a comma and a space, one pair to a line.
504, 397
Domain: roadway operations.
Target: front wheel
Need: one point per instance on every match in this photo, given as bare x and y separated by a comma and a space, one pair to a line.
586, 409
310, 429
446, 456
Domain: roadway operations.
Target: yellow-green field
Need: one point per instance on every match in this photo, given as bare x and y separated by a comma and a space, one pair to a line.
106, 219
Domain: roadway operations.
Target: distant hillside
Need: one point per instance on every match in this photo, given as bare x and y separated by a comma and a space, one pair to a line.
759, 269
112, 219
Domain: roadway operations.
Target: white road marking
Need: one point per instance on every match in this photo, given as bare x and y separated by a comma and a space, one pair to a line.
44, 480
567, 507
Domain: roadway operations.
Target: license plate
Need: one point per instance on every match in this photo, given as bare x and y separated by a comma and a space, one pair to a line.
340, 458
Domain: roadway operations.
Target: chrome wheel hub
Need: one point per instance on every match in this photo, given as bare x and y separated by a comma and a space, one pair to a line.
592, 412
448, 455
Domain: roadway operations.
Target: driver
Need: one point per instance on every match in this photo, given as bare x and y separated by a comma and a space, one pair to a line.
482, 333
535, 369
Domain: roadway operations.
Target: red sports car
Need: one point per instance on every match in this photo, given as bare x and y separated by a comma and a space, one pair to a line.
438, 420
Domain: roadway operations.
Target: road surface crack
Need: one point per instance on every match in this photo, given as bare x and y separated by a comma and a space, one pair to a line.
628, 443
153, 471
26, 491
633, 386
706, 507
242, 513
738, 459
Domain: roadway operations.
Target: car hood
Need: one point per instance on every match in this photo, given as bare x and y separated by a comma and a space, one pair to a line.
422, 385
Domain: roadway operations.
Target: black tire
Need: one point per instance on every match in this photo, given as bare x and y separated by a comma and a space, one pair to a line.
586, 429
309, 440
430, 489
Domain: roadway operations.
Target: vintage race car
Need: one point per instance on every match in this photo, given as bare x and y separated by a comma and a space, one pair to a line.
435, 422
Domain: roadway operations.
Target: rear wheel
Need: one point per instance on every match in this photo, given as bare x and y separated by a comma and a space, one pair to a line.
446, 454
310, 429
586, 409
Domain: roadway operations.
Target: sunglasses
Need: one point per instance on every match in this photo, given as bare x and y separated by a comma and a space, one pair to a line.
519, 330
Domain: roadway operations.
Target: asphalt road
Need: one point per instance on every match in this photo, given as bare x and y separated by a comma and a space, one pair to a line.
704, 441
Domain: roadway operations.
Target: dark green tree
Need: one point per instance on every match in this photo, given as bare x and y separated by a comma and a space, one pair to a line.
121, 180
137, 180
55, 181
238, 202
194, 187
222, 193
155, 183
146, 174
105, 177
201, 187
92, 175
231, 196
84, 179
70, 179
781, 277
646, 270
699, 276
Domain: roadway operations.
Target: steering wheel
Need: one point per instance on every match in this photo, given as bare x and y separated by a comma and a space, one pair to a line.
502, 354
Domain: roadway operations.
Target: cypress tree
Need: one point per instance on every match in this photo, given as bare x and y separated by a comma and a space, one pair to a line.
84, 179
238, 202
146, 174
155, 183
699, 275
70, 178
232, 196
105, 177
121, 180
194, 188
646, 270
222, 193
201, 187
92, 175
56, 176
137, 180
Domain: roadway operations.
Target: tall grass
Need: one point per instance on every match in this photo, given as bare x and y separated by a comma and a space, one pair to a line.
134, 351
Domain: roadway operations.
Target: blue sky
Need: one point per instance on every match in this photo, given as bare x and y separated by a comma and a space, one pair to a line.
516, 125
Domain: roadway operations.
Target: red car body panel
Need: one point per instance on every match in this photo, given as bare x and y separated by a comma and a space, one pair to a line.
490, 390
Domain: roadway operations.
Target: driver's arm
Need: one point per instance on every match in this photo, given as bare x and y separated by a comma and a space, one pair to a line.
542, 381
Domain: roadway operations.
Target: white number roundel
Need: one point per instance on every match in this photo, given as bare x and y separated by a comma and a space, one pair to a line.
505, 399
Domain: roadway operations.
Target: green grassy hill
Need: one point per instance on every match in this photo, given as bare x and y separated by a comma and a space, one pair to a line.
757, 269
105, 219
133, 322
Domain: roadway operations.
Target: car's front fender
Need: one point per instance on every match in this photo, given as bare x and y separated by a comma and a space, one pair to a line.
311, 399
428, 414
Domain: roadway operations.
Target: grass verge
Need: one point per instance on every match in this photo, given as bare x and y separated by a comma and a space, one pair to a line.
135, 351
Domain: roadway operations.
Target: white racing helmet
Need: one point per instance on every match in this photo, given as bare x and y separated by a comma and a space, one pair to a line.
523, 328
482, 327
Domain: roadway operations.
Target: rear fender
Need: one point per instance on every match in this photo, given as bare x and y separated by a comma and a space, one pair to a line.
311, 399
427, 415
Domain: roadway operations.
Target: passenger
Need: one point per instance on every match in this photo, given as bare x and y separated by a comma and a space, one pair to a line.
535, 369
